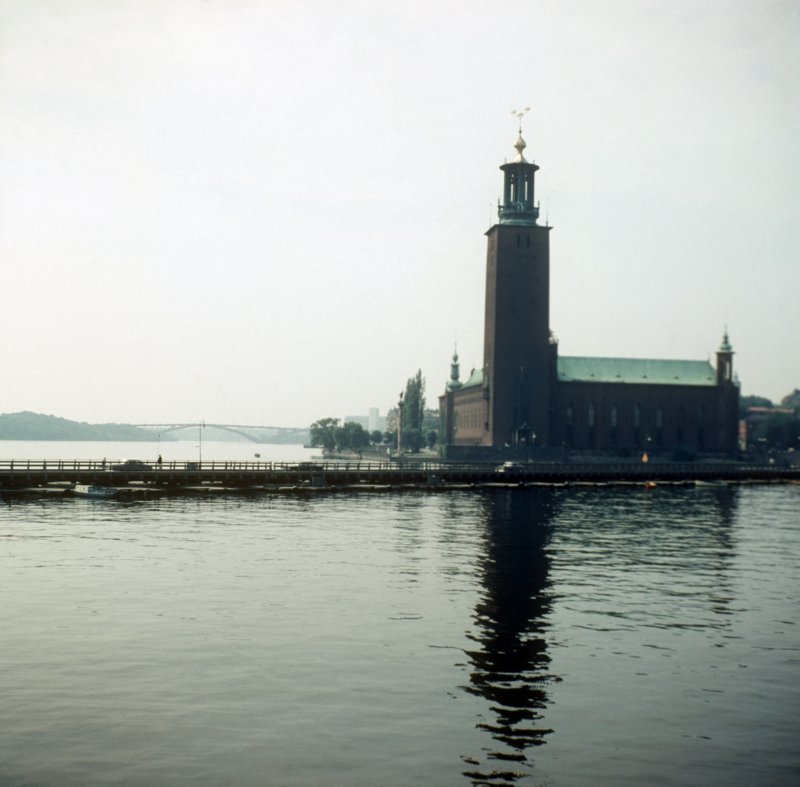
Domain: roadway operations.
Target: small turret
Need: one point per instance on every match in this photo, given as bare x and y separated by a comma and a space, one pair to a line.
725, 360
454, 382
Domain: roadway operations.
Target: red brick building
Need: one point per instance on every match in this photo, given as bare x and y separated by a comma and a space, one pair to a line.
527, 397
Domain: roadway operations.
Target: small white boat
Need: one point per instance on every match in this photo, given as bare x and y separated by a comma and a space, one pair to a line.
93, 490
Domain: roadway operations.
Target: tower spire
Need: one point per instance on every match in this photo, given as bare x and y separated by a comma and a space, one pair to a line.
520, 144
725, 359
454, 381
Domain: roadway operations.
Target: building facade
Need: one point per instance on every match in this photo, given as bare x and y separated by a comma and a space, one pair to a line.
528, 398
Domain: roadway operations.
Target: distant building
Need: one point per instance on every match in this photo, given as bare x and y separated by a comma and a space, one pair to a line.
372, 422
528, 397
376, 423
755, 417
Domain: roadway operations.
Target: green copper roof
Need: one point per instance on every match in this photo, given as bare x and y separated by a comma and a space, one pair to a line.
475, 378
635, 370
625, 370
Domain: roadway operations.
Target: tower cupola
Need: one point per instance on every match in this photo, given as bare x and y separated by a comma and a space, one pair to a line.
455, 374
517, 206
725, 360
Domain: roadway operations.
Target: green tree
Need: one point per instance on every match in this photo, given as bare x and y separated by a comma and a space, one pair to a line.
391, 422
340, 438
414, 402
323, 433
351, 437
359, 437
412, 440
752, 401
780, 431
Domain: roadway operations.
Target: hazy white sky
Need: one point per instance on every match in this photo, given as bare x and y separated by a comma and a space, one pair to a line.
270, 212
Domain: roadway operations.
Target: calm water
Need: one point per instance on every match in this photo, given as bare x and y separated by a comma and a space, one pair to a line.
568, 637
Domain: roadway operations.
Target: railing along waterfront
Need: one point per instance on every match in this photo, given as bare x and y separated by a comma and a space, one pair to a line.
248, 474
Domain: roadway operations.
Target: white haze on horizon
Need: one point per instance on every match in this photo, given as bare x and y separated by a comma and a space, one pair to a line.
268, 212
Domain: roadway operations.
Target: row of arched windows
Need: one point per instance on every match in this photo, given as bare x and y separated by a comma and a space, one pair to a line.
613, 414
655, 425
519, 191
468, 418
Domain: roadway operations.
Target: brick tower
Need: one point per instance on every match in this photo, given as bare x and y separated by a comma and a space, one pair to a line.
517, 352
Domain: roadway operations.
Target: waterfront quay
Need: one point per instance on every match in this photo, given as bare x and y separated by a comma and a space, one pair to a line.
61, 475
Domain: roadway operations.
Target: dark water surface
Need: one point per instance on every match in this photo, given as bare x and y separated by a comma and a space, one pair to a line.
559, 637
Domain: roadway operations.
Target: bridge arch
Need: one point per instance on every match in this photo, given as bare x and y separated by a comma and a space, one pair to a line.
222, 427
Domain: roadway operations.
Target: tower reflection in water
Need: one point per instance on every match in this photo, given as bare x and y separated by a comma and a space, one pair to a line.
509, 664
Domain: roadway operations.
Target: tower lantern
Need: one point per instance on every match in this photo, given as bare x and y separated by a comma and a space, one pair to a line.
517, 206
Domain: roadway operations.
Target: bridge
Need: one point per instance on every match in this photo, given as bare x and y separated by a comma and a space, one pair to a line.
255, 434
137, 477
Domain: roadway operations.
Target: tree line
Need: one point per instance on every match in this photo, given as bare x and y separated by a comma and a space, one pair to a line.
771, 426
419, 425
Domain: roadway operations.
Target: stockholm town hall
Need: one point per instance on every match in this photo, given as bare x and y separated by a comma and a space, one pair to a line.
528, 398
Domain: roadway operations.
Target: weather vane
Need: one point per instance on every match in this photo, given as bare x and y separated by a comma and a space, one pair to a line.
520, 113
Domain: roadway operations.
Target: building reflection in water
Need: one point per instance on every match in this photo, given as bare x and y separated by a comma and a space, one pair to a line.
509, 664
686, 530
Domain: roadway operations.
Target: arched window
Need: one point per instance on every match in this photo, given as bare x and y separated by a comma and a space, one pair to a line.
679, 427
569, 420
659, 426
613, 420
591, 437
701, 432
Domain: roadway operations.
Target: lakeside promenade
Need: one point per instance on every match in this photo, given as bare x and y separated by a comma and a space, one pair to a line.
60, 475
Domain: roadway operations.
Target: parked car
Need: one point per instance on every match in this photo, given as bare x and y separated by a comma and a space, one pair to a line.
510, 467
131, 465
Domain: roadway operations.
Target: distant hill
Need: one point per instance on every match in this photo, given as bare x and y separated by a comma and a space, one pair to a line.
34, 426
